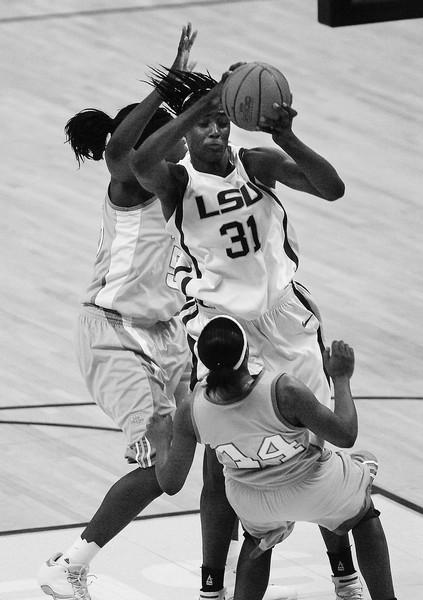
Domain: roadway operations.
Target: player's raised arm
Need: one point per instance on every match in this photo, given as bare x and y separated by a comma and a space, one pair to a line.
300, 407
175, 447
128, 132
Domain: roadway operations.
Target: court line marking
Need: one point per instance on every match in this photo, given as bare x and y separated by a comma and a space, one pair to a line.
66, 404
179, 513
376, 490
123, 9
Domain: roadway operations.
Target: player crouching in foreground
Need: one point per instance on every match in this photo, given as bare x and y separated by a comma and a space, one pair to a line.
259, 427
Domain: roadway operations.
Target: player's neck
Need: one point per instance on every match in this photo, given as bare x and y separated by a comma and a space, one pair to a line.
238, 390
221, 167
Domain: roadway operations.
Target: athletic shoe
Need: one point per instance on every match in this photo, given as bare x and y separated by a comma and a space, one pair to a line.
63, 583
348, 587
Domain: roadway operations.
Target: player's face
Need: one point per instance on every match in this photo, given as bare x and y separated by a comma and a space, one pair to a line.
177, 152
208, 138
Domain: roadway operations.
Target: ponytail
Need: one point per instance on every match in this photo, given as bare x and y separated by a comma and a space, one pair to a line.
87, 133
88, 130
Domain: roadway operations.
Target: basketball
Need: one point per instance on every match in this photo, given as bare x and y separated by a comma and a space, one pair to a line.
250, 91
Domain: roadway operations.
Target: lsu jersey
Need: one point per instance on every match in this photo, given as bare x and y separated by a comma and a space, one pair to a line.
135, 263
252, 440
239, 251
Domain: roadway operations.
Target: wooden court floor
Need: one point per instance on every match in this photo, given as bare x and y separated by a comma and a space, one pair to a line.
359, 96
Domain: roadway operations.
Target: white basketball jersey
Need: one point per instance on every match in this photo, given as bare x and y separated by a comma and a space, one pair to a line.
239, 251
252, 440
135, 262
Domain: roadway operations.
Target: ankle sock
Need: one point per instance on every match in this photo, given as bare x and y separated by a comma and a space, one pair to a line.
80, 553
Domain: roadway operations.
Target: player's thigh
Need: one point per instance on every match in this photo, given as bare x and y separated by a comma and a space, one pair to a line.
175, 358
287, 338
122, 373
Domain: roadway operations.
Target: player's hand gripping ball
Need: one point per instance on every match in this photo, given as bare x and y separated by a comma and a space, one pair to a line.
250, 91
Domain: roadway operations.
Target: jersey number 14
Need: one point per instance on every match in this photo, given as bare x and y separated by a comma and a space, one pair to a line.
272, 447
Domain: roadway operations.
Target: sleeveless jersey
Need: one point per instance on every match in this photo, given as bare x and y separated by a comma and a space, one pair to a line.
239, 251
253, 441
135, 262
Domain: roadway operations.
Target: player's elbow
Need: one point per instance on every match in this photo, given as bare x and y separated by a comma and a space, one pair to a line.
138, 162
348, 441
347, 438
336, 192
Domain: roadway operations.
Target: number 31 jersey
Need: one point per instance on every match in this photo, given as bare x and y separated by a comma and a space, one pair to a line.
238, 250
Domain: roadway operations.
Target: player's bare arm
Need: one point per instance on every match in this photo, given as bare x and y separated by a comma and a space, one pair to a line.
301, 408
175, 447
127, 133
298, 167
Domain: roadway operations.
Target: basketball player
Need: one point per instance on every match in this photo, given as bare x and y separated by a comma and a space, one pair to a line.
260, 427
239, 257
131, 346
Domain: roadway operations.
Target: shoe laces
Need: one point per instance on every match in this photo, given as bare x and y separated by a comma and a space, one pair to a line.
79, 582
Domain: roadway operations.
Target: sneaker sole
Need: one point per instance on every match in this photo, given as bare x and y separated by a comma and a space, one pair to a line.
49, 592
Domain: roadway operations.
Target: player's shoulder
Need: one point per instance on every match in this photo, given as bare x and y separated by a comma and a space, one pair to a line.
258, 153
178, 172
260, 161
287, 385
288, 396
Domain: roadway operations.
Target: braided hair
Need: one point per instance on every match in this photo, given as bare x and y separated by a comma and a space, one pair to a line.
222, 348
180, 89
87, 131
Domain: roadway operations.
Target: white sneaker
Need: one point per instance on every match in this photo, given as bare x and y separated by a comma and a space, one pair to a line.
63, 583
348, 587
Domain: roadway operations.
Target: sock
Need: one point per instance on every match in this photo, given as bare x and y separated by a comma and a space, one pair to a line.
341, 563
80, 553
211, 579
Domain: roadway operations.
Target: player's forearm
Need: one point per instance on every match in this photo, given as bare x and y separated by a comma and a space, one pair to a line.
345, 410
315, 168
131, 128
